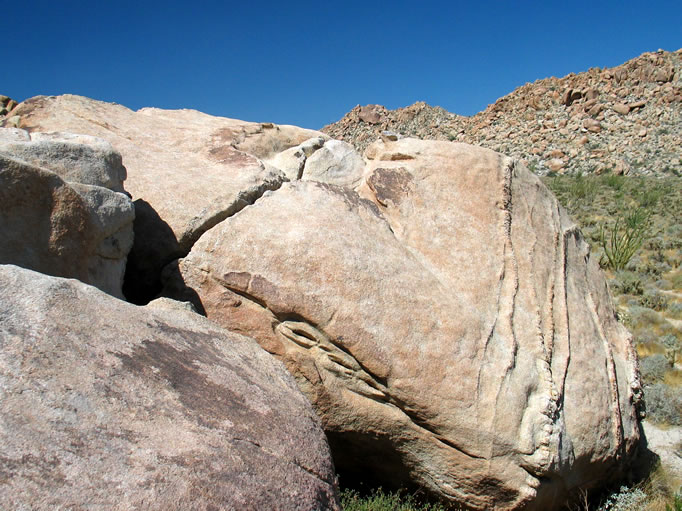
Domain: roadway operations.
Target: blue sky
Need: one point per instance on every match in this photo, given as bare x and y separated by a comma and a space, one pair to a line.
308, 63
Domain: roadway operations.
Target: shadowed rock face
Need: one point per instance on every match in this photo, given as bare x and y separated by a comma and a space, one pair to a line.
62, 207
446, 321
107, 405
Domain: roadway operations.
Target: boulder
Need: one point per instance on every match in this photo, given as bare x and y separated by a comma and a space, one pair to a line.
321, 159
592, 125
621, 108
75, 158
187, 170
448, 324
59, 218
371, 114
105, 405
337, 163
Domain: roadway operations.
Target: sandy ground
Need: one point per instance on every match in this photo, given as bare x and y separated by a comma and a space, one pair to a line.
667, 443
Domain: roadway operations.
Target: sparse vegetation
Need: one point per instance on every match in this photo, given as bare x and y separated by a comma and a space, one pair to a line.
663, 404
379, 500
624, 239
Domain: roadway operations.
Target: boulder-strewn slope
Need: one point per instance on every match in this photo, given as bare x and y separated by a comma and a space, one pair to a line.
450, 327
105, 405
626, 119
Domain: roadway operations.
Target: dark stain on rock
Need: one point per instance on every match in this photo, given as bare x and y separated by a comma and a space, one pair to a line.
32, 467
390, 185
204, 401
228, 155
351, 198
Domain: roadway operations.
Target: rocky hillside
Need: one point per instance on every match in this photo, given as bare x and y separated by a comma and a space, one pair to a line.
627, 120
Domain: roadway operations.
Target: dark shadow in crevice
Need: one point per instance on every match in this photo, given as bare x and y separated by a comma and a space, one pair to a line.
174, 287
154, 247
366, 461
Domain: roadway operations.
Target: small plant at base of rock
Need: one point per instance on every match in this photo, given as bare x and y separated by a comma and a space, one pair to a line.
627, 499
624, 239
676, 503
379, 500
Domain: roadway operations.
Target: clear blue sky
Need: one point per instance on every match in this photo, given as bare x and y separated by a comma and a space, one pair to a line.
308, 63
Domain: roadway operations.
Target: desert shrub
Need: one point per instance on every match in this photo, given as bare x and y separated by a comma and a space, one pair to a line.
624, 238
649, 197
378, 500
663, 404
653, 368
675, 310
677, 280
628, 283
649, 268
643, 317
654, 300
627, 499
614, 181
672, 347
581, 188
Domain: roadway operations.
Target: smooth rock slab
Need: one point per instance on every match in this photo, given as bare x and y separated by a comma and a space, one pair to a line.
105, 405
450, 328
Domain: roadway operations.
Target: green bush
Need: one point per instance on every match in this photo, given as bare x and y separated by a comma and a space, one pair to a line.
676, 503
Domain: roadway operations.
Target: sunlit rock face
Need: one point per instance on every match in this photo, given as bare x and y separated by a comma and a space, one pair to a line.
108, 405
444, 317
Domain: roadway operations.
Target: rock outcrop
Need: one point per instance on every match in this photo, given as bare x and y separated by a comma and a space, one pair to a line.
187, 170
626, 119
447, 323
433, 301
105, 405
63, 210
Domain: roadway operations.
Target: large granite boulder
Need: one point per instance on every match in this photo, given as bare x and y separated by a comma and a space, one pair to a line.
447, 322
187, 170
63, 210
105, 405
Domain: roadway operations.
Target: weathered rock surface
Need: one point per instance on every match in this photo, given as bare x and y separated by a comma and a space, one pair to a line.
105, 405
609, 106
450, 327
321, 159
61, 210
187, 170
75, 158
